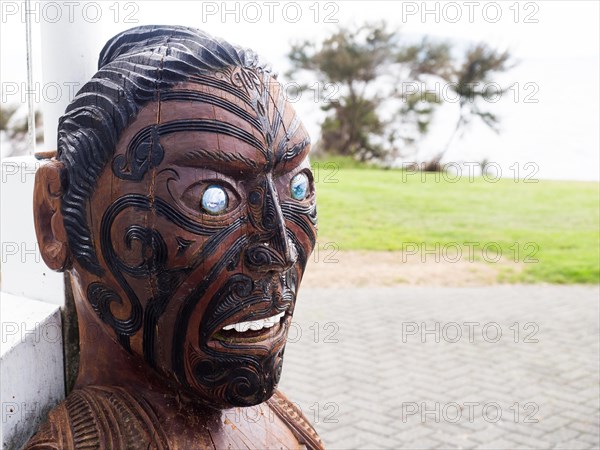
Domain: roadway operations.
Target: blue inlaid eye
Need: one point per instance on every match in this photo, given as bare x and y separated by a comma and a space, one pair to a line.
299, 186
214, 200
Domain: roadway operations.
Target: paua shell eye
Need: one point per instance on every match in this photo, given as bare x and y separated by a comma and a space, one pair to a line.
214, 200
299, 186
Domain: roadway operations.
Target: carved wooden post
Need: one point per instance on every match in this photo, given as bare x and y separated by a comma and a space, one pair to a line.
182, 203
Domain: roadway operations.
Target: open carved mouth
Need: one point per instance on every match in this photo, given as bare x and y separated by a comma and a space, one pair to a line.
269, 328
249, 315
255, 325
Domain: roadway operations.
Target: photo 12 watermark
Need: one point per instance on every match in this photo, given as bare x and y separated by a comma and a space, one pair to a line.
469, 12
40, 93
21, 252
321, 92
326, 253
454, 412
268, 12
472, 171
452, 92
469, 331
317, 412
316, 332
12, 410
325, 171
18, 171
454, 252
70, 11
36, 333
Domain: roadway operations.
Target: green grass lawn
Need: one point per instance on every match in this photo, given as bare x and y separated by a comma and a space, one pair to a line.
555, 223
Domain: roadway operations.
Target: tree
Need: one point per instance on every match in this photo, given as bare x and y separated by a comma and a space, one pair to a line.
354, 61
16, 129
6, 112
470, 80
423, 62
371, 68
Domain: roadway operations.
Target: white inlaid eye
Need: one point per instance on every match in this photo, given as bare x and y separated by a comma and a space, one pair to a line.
299, 186
214, 200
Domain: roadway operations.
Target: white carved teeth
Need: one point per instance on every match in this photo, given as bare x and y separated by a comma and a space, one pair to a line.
255, 325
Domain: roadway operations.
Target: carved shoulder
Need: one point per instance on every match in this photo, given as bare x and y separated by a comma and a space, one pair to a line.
103, 417
295, 420
99, 417
48, 435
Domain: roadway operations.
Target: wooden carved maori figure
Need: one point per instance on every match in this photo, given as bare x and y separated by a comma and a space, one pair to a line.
182, 204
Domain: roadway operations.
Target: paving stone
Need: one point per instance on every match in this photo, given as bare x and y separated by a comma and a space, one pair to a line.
372, 374
592, 439
498, 444
585, 427
423, 443
487, 434
524, 441
574, 445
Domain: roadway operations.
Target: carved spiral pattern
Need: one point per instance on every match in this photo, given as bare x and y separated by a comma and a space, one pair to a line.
242, 383
246, 79
143, 153
258, 255
241, 286
101, 297
154, 251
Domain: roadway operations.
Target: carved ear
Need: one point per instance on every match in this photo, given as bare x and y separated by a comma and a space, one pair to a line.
47, 215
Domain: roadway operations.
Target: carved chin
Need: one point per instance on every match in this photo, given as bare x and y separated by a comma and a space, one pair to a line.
238, 381
241, 339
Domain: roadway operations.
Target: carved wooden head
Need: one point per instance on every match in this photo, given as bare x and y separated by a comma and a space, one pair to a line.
183, 202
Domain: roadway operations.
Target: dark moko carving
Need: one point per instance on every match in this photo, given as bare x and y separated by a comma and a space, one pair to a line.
182, 203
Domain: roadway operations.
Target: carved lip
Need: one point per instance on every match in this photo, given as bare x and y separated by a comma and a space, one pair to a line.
232, 339
247, 304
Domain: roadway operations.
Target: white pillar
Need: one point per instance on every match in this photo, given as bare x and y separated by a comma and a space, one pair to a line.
69, 59
69, 50
23, 271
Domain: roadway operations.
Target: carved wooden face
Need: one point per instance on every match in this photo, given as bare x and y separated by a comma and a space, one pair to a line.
203, 222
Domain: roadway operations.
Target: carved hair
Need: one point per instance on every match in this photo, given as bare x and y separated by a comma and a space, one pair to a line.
133, 67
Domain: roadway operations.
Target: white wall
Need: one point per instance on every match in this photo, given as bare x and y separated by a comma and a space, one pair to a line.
31, 366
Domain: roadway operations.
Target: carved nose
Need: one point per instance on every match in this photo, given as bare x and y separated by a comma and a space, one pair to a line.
274, 250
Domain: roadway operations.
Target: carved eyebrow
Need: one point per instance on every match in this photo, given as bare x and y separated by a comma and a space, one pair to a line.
288, 159
152, 133
294, 151
202, 156
210, 126
281, 153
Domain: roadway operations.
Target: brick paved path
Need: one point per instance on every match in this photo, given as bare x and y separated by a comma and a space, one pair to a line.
365, 367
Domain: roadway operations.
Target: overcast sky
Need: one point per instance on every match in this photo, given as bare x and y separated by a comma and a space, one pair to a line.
556, 42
